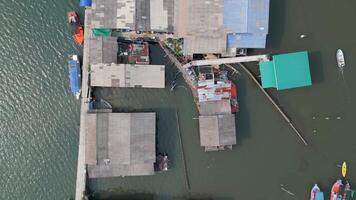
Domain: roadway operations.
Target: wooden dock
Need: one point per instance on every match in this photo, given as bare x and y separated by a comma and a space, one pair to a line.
191, 81
81, 166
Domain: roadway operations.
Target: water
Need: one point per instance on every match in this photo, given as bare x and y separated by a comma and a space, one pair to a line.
40, 118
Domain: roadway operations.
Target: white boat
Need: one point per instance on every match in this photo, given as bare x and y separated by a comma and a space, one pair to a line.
340, 58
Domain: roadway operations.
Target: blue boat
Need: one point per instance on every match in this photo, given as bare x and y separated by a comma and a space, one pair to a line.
74, 75
316, 194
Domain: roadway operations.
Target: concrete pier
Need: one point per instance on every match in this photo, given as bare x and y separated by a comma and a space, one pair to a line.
81, 167
220, 61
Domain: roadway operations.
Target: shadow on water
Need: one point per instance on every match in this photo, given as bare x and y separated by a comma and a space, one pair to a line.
277, 11
316, 67
132, 195
242, 121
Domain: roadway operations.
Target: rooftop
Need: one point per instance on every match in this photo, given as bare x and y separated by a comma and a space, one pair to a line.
120, 144
141, 15
103, 50
212, 26
286, 71
217, 130
127, 75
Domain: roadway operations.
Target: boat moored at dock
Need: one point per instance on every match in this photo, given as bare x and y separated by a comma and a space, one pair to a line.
76, 27
341, 191
74, 75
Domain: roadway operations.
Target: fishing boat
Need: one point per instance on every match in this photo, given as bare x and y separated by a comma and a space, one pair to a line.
74, 75
316, 194
341, 191
234, 103
76, 27
340, 58
343, 169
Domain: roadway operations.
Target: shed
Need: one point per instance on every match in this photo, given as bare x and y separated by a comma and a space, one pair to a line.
127, 75
103, 50
120, 144
140, 15
217, 131
286, 71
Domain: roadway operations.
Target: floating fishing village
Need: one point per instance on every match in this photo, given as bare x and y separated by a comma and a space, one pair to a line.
208, 41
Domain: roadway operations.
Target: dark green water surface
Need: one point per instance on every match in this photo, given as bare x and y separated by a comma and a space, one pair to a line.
40, 118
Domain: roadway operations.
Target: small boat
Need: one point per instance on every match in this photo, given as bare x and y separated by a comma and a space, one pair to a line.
316, 194
75, 75
76, 27
343, 169
340, 58
341, 191
234, 103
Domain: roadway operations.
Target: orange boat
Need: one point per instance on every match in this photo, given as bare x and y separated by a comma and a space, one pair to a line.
76, 27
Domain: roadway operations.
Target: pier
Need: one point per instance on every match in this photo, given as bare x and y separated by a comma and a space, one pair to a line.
81, 166
220, 61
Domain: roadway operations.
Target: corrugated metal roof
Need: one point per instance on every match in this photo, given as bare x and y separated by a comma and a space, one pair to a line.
103, 50
127, 75
286, 71
247, 21
125, 144
139, 15
218, 130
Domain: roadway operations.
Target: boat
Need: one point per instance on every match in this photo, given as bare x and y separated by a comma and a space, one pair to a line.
340, 58
343, 169
74, 75
316, 194
76, 27
234, 103
341, 191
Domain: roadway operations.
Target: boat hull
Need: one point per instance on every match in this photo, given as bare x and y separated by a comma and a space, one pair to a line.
76, 27
340, 58
75, 75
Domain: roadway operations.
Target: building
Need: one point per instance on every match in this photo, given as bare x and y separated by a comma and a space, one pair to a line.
216, 104
217, 132
286, 71
103, 50
127, 75
138, 15
120, 144
217, 26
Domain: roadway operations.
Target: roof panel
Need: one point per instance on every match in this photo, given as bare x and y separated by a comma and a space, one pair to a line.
292, 70
268, 77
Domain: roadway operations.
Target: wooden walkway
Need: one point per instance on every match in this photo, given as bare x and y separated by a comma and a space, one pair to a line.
220, 61
188, 78
81, 167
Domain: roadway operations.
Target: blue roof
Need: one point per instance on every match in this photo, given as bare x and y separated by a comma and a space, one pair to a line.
74, 75
235, 15
246, 22
246, 40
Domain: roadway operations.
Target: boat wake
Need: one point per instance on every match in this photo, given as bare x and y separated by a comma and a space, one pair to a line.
345, 84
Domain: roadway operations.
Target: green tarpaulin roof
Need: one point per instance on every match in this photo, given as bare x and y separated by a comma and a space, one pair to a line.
268, 77
286, 71
101, 32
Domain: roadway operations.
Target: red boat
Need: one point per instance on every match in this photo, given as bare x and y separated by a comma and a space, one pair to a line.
234, 104
341, 191
76, 27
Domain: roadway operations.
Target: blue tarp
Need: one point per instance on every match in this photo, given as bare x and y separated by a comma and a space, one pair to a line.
85, 3
74, 75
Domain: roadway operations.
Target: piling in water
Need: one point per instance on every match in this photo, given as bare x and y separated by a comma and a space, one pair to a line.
183, 155
275, 105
